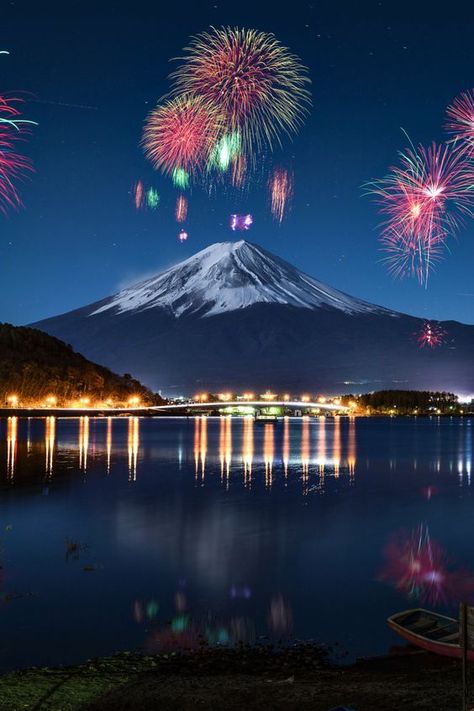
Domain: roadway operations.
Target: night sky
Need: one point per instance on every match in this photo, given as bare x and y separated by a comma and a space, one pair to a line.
94, 70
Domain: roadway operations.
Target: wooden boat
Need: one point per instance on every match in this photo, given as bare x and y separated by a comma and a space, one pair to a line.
430, 631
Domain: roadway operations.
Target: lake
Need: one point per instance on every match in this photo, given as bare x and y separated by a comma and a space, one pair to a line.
157, 533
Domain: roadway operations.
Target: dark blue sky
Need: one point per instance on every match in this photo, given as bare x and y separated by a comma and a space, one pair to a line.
375, 67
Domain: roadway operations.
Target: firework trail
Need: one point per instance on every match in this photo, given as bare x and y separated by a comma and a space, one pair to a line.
240, 222
152, 198
424, 199
412, 254
460, 121
239, 169
253, 80
138, 195
179, 135
418, 567
431, 335
281, 192
181, 211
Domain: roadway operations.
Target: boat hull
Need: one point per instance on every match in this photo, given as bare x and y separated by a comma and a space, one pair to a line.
446, 649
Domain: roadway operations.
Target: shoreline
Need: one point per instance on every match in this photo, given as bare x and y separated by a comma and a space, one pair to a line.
26, 413
298, 676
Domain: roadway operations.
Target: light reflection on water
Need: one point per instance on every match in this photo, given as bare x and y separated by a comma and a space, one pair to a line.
226, 528
312, 449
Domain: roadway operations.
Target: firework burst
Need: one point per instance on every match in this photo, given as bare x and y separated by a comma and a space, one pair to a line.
181, 211
281, 191
431, 335
424, 199
419, 567
460, 120
179, 135
257, 84
13, 165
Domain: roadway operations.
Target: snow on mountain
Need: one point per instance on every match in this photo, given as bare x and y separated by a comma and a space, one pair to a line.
228, 276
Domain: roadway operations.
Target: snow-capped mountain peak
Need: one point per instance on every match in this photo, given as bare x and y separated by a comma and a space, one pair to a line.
228, 276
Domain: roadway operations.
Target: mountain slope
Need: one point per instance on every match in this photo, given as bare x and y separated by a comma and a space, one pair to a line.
229, 276
34, 365
235, 316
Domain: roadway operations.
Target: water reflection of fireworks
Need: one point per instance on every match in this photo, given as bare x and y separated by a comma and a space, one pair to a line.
419, 567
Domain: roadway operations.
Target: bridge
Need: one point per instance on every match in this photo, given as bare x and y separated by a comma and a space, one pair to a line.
237, 407
247, 406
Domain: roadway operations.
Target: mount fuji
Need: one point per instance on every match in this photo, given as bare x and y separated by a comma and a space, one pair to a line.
236, 316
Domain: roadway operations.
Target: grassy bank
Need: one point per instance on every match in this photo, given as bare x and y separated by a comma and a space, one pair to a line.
233, 679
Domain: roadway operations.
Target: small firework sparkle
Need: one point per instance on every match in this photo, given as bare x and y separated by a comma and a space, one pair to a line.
432, 335
139, 195
181, 211
152, 198
240, 222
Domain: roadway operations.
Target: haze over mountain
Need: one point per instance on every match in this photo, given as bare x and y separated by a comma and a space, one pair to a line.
236, 316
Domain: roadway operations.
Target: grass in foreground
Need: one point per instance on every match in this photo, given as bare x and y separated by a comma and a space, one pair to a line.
234, 679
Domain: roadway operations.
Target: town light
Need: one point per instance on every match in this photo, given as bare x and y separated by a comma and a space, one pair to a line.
305, 398
225, 397
286, 397
12, 400
268, 395
248, 396
135, 400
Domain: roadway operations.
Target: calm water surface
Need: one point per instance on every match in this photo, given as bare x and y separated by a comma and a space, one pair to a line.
126, 533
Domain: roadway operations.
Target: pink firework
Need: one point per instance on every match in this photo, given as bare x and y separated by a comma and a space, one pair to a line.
424, 199
180, 134
419, 568
460, 120
241, 222
431, 335
183, 236
13, 165
138, 195
181, 211
281, 191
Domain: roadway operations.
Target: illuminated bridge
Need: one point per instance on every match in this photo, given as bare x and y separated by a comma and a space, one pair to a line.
267, 407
